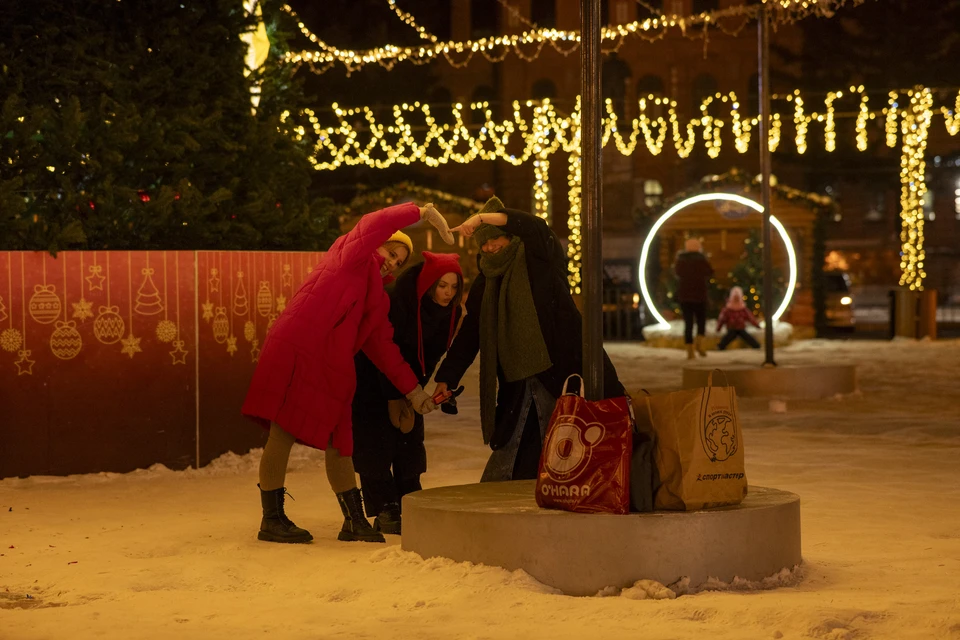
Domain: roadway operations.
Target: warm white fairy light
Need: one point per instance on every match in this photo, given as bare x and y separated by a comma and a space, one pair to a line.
459, 54
916, 120
536, 131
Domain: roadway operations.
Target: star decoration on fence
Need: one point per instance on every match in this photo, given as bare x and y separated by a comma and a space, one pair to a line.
179, 354
24, 364
96, 277
231, 345
131, 346
281, 303
82, 310
207, 311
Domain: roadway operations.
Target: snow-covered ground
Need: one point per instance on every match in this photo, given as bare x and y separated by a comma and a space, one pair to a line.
162, 554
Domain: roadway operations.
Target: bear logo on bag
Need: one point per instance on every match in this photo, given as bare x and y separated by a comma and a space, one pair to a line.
720, 436
568, 447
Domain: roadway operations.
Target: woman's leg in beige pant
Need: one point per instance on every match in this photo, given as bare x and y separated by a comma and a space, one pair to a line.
340, 471
276, 455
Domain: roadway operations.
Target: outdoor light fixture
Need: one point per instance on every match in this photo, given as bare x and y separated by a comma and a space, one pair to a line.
707, 197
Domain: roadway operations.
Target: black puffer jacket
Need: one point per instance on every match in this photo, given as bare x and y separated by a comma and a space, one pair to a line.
373, 433
559, 318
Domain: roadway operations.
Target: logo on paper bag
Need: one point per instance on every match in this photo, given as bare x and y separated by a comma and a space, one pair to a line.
569, 446
720, 435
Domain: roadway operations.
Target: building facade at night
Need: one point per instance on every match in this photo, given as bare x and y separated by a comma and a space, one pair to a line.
864, 239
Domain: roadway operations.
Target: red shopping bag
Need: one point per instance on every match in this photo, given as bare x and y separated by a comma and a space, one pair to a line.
585, 463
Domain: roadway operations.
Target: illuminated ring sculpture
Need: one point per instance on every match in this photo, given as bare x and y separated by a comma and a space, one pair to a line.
706, 197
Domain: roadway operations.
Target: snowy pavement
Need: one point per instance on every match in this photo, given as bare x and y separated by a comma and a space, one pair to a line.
161, 554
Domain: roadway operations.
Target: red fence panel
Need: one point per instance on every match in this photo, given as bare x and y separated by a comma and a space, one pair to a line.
112, 361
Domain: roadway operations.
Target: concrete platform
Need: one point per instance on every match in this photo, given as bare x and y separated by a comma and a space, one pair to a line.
788, 381
499, 524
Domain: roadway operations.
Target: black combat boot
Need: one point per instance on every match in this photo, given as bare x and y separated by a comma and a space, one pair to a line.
276, 526
389, 519
355, 526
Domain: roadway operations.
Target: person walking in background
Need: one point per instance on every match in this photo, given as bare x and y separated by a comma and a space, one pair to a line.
693, 271
735, 316
303, 386
388, 434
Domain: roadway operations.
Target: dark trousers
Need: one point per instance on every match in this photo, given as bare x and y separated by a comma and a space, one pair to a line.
527, 464
733, 334
693, 311
386, 488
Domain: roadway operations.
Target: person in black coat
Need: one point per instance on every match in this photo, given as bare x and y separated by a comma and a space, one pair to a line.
389, 454
523, 322
693, 272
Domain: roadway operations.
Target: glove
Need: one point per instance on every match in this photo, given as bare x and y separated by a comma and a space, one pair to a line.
421, 402
401, 414
429, 213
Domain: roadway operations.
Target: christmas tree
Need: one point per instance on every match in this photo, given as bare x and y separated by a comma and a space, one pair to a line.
129, 126
748, 275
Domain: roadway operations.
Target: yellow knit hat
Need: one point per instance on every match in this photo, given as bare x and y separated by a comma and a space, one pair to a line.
403, 239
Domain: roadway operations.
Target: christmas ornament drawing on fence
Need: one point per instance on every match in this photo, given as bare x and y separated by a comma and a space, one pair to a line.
10, 338
287, 276
179, 354
24, 364
108, 328
44, 303
281, 303
96, 277
240, 306
131, 344
264, 299
214, 280
82, 309
221, 325
166, 330
3, 310
273, 318
65, 342
255, 351
148, 296
232, 339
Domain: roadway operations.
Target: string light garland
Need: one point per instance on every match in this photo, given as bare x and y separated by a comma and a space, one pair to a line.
410, 20
459, 54
915, 126
536, 131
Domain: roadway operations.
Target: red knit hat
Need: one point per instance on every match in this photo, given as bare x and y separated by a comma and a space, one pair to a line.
435, 266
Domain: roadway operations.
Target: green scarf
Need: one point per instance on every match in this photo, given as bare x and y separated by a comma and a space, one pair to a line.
509, 328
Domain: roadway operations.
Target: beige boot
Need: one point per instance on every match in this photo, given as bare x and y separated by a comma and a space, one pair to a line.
700, 350
690, 355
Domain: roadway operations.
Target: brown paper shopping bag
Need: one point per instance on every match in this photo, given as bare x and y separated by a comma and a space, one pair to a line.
699, 451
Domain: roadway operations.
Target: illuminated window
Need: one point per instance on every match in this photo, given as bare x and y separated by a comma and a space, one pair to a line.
652, 193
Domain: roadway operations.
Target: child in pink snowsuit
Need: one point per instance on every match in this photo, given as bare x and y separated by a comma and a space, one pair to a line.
735, 316
303, 386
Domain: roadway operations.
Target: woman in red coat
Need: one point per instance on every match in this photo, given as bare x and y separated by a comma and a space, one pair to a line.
303, 386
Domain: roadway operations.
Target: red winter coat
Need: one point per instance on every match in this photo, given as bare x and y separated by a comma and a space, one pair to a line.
736, 318
305, 378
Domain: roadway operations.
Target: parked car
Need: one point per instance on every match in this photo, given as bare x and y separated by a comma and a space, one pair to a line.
838, 300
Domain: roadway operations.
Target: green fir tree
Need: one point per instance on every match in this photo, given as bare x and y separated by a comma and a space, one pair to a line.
129, 126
